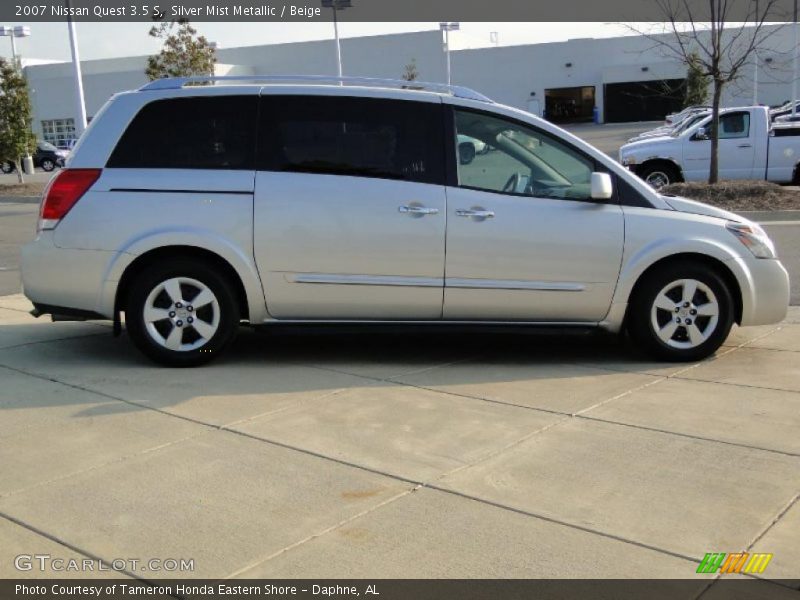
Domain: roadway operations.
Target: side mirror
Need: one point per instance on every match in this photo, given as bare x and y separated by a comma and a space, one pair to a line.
700, 135
466, 153
602, 188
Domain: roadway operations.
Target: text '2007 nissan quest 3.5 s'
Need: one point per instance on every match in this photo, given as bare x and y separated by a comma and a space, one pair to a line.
192, 208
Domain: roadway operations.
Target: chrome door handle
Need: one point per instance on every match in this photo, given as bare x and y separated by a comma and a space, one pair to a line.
475, 213
413, 209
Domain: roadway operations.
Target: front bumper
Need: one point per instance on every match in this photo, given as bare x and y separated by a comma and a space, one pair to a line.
764, 284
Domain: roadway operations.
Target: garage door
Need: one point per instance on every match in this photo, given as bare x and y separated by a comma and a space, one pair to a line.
643, 100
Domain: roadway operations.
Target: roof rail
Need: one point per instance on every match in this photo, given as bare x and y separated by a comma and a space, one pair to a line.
174, 83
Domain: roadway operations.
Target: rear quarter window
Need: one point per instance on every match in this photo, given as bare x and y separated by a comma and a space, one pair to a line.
190, 133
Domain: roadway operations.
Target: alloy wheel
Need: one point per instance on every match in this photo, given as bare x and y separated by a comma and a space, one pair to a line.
181, 314
685, 313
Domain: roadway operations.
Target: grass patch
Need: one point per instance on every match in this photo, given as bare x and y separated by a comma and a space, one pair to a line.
739, 195
22, 189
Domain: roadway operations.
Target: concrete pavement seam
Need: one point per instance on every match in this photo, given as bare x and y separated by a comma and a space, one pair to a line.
755, 540
688, 435
57, 540
319, 534
744, 385
548, 519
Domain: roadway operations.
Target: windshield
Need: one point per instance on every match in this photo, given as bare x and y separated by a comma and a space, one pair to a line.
47, 146
688, 123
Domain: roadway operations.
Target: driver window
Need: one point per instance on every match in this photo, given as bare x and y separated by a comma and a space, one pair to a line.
502, 156
734, 125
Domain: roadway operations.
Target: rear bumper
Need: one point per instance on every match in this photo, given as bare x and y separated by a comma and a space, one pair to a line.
67, 280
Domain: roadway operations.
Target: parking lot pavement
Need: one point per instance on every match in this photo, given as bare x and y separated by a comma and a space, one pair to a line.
413, 455
609, 137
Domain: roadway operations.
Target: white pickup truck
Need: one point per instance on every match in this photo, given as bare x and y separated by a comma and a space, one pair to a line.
750, 147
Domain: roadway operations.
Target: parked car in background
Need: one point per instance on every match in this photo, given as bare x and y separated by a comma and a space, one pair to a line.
46, 156
674, 130
193, 208
675, 118
750, 147
67, 144
784, 112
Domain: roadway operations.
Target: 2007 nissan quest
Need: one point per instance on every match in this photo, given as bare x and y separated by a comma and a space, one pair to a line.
191, 208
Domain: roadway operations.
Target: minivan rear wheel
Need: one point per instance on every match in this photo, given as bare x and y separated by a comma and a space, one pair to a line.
182, 313
681, 313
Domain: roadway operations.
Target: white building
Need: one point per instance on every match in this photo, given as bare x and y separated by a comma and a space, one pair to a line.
625, 78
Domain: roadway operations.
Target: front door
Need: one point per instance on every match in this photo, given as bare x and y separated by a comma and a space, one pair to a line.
350, 207
524, 239
736, 150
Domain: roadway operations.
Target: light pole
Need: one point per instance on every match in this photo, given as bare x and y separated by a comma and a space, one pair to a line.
337, 5
15, 32
447, 28
755, 79
755, 62
794, 78
80, 103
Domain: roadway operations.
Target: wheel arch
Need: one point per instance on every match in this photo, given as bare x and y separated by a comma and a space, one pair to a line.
713, 263
669, 162
143, 261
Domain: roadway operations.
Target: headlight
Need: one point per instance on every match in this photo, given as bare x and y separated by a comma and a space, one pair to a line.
627, 161
754, 238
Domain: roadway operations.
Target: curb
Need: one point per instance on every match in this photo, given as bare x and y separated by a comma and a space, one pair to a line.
20, 199
770, 215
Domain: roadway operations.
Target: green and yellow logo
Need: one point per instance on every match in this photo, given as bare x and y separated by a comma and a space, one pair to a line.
737, 562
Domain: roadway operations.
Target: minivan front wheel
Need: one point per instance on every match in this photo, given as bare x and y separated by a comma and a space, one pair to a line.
681, 313
48, 165
181, 314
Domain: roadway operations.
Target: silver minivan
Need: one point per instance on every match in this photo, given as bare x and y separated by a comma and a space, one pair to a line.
194, 208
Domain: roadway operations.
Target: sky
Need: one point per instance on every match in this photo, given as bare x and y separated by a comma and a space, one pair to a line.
110, 40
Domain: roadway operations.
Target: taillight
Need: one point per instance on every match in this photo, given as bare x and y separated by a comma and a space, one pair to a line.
63, 191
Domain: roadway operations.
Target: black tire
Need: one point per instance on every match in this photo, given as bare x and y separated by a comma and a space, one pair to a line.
48, 165
466, 153
151, 279
7, 167
642, 313
659, 174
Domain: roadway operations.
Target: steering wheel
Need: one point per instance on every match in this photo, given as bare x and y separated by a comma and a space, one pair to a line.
512, 183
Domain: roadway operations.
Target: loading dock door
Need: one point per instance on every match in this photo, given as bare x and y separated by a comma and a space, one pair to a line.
569, 105
642, 100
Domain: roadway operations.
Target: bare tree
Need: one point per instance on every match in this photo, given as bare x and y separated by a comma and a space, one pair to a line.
701, 34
